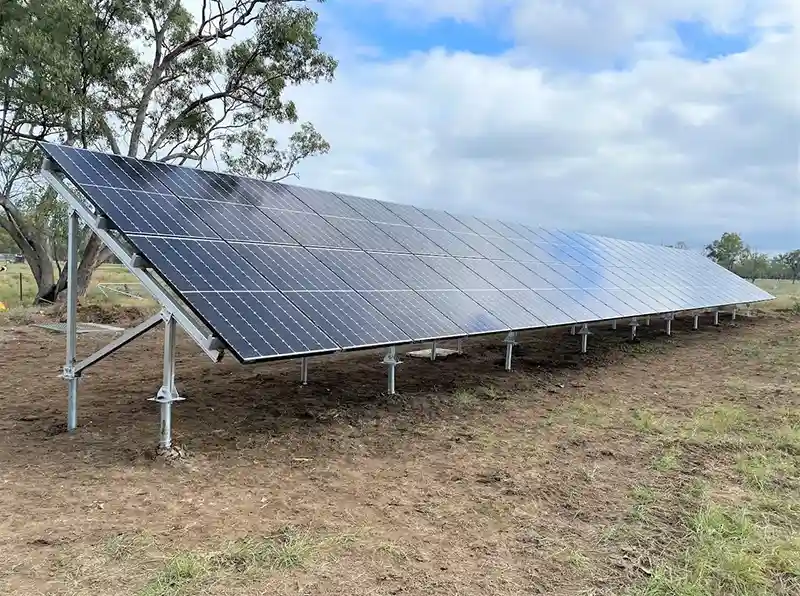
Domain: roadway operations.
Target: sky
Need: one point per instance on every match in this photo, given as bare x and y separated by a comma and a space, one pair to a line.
640, 119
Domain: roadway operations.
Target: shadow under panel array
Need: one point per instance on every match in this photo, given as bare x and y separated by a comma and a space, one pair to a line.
277, 271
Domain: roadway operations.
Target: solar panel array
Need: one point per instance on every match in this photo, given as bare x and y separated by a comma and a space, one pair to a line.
278, 270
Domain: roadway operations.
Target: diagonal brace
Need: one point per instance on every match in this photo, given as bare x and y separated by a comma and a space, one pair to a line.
122, 341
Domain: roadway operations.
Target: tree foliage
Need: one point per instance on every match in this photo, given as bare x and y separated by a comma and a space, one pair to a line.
791, 260
753, 265
728, 250
148, 79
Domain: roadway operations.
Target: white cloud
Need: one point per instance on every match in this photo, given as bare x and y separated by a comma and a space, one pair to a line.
669, 149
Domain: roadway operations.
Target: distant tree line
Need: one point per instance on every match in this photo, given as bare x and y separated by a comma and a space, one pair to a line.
731, 252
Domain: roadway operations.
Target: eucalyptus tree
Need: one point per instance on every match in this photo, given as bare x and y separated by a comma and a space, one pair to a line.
174, 80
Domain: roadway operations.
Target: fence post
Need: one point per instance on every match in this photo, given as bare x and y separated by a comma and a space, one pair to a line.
20, 289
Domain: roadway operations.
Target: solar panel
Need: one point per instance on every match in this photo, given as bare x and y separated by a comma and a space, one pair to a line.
372, 210
544, 310
494, 274
291, 267
234, 221
323, 203
412, 239
505, 309
413, 271
457, 273
415, 315
310, 229
359, 270
470, 316
475, 225
140, 212
365, 234
276, 270
412, 216
446, 221
348, 319
482, 246
450, 243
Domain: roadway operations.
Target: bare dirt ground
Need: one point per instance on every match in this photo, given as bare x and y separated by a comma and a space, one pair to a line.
618, 472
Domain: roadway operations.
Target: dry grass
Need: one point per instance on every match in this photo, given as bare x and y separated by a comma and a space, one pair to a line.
121, 280
670, 467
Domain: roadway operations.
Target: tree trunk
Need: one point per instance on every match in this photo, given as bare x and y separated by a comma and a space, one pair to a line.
94, 255
34, 247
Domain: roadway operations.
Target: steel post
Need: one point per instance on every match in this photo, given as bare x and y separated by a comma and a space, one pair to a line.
696, 323
573, 330
733, 314
647, 321
459, 348
510, 341
72, 322
584, 333
392, 362
716, 318
614, 325
167, 394
634, 324
304, 371
433, 351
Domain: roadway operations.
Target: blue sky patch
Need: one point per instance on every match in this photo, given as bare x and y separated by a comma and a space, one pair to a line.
701, 43
373, 26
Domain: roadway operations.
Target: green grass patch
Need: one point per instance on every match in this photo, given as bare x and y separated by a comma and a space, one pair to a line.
767, 470
668, 461
731, 552
646, 421
193, 572
643, 498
